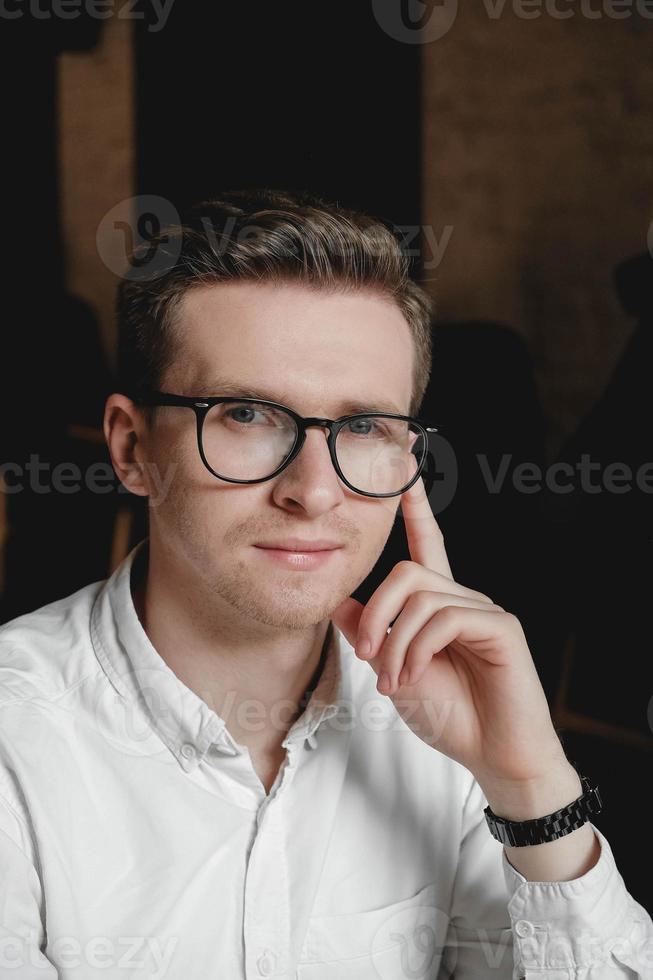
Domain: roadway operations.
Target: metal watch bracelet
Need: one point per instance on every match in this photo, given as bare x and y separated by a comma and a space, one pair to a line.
541, 830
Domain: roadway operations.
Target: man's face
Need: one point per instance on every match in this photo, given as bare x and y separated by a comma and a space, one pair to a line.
314, 353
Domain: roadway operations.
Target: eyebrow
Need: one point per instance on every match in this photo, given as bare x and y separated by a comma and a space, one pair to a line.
221, 386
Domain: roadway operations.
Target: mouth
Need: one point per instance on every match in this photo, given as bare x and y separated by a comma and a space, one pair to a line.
305, 559
300, 545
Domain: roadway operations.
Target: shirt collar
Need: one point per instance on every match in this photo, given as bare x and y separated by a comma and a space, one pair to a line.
184, 722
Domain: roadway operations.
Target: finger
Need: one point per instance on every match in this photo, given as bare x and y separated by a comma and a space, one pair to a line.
425, 539
388, 600
399, 655
485, 633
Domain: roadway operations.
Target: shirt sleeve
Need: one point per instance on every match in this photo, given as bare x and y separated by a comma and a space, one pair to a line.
22, 934
590, 927
508, 928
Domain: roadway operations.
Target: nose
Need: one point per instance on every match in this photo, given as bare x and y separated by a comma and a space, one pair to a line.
310, 482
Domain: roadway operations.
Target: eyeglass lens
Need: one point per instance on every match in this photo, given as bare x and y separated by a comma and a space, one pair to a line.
250, 441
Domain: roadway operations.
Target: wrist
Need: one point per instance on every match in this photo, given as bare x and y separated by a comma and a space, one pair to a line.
529, 799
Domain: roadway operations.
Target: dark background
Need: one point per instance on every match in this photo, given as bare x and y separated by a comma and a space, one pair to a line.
321, 98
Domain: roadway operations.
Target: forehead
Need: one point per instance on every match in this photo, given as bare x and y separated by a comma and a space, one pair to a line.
310, 349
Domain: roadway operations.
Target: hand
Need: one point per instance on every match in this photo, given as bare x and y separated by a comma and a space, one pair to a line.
458, 666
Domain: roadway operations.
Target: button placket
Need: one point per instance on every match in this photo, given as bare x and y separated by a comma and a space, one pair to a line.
266, 926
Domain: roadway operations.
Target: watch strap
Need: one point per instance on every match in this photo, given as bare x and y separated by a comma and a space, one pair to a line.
541, 830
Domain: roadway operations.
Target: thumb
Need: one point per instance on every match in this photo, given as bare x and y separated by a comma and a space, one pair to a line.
346, 617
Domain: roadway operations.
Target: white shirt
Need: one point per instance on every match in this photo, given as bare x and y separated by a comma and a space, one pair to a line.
136, 839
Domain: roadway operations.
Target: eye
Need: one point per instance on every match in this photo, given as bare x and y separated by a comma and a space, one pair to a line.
366, 427
248, 415
360, 426
243, 413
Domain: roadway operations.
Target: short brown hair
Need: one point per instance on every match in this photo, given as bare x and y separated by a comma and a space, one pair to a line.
262, 235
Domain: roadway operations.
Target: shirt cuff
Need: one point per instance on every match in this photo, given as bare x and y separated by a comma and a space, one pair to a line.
563, 925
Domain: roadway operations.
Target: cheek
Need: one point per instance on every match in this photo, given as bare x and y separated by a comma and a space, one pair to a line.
175, 473
375, 529
385, 515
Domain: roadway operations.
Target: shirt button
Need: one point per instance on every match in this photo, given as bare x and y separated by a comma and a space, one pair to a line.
524, 928
188, 750
265, 963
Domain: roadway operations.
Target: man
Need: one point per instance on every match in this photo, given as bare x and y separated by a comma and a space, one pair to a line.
218, 764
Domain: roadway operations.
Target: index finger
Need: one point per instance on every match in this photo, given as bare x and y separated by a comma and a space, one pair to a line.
425, 539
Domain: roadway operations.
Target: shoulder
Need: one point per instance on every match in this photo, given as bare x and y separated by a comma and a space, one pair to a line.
47, 651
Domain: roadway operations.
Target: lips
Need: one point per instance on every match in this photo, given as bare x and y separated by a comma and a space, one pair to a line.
299, 561
296, 544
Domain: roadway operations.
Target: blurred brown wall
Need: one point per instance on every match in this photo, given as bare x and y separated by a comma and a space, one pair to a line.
96, 159
538, 152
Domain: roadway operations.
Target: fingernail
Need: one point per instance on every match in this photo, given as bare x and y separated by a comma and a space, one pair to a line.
384, 680
364, 646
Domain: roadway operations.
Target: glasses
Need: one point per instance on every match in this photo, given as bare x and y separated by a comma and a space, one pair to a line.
248, 440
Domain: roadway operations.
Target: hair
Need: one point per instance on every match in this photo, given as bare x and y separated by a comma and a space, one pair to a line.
266, 236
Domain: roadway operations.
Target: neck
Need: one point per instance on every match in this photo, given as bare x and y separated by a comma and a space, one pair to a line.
258, 679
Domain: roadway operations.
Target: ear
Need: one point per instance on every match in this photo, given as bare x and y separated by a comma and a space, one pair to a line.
124, 431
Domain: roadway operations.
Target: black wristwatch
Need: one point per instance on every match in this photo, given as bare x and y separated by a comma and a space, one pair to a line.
545, 829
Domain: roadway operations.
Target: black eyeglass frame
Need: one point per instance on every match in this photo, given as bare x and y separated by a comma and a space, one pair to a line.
201, 406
